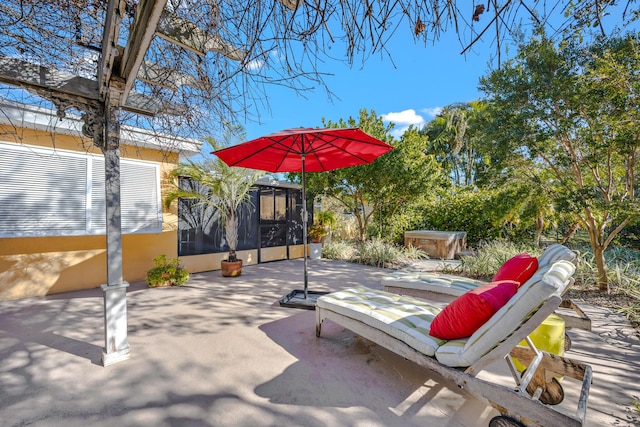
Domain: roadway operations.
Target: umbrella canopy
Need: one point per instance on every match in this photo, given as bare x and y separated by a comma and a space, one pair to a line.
323, 150
305, 150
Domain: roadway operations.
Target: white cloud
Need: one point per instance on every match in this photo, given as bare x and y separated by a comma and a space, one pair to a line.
406, 117
276, 54
255, 65
403, 120
432, 112
259, 63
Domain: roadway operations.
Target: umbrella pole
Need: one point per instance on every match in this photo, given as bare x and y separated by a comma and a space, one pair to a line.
304, 226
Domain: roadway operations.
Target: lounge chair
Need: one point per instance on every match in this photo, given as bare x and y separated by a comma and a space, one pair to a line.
446, 287
402, 324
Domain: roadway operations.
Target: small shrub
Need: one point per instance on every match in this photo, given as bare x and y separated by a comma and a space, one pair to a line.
346, 228
166, 273
375, 252
476, 212
411, 252
378, 253
340, 250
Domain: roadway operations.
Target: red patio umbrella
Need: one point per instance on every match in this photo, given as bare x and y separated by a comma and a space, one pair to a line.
305, 150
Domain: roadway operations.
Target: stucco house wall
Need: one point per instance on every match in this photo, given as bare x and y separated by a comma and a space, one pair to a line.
36, 266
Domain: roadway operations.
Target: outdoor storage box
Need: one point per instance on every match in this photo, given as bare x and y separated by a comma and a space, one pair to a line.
437, 244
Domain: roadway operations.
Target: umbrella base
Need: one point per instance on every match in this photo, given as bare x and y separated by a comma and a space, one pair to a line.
296, 299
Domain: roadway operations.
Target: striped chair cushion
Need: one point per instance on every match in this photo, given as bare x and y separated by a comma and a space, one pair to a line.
434, 282
404, 318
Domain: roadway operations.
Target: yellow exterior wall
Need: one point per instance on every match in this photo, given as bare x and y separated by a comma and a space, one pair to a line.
37, 266
49, 265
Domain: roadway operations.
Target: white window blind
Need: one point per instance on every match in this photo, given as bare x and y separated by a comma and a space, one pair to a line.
45, 192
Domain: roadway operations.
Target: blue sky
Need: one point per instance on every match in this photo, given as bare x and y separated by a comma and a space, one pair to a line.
411, 89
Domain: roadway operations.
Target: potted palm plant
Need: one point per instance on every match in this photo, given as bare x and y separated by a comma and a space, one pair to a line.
223, 188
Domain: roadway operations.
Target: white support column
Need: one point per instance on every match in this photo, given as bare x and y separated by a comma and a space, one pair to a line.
116, 346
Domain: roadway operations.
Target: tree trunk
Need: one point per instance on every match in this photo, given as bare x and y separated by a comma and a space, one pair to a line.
603, 280
598, 247
539, 229
361, 215
361, 227
231, 228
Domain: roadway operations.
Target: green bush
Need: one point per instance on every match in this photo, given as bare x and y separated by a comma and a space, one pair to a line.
339, 249
484, 214
375, 252
166, 273
630, 236
469, 211
392, 225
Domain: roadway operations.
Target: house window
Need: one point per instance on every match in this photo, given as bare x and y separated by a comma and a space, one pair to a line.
48, 192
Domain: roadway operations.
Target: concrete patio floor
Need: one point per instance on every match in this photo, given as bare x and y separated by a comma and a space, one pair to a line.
222, 352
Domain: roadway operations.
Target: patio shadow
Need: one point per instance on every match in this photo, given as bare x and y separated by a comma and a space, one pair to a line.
37, 323
342, 370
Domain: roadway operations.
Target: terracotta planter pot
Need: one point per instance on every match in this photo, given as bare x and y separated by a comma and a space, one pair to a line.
231, 269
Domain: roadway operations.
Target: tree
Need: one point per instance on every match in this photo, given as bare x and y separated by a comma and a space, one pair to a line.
408, 176
223, 189
389, 183
454, 139
527, 206
571, 111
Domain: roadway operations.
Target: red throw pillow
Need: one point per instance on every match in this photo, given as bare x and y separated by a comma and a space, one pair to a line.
520, 268
464, 315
